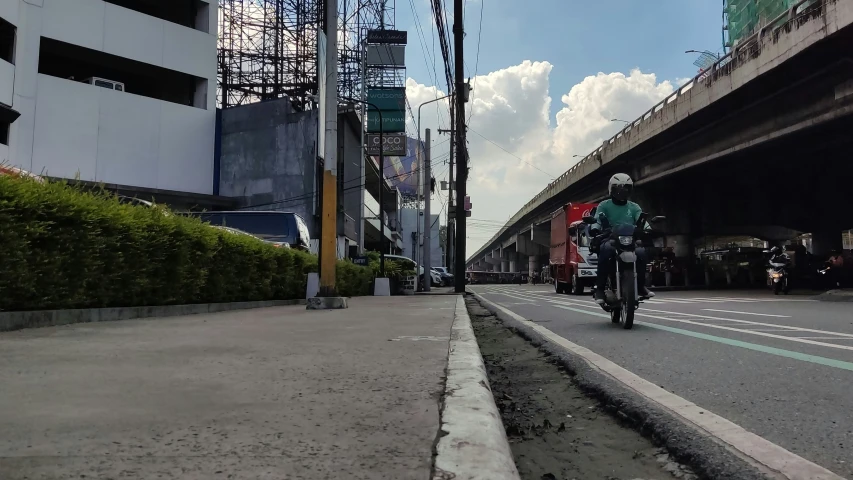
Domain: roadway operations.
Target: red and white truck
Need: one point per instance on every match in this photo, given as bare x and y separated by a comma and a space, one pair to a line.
571, 267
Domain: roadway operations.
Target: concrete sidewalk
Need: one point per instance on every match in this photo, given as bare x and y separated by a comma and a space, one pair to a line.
270, 393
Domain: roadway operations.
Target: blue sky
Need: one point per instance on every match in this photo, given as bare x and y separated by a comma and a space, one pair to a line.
579, 38
524, 134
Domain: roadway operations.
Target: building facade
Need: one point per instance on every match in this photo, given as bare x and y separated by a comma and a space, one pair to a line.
115, 91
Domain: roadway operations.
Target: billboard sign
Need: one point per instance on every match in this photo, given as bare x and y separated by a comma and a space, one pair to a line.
394, 144
387, 98
387, 36
401, 170
386, 55
393, 121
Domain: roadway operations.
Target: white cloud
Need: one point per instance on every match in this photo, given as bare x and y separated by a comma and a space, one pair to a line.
510, 110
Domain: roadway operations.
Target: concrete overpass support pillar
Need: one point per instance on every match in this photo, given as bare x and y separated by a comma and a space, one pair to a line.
680, 245
505, 266
823, 243
532, 266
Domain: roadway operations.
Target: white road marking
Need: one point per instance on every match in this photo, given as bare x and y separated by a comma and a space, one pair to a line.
744, 324
761, 451
753, 332
746, 313
826, 338
749, 322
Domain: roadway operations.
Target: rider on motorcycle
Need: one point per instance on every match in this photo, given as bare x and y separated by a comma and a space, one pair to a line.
618, 210
777, 255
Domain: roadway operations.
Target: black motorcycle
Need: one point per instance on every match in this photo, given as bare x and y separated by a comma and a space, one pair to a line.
621, 296
777, 275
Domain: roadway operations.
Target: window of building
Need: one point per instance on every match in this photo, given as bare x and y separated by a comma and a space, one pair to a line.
4, 132
189, 13
80, 64
7, 41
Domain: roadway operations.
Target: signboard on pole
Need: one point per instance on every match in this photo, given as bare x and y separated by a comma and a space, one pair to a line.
387, 98
394, 144
393, 121
387, 36
386, 55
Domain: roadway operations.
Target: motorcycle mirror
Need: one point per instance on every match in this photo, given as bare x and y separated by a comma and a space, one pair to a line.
589, 220
658, 218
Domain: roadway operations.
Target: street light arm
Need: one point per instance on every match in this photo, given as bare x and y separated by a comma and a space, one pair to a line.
419, 112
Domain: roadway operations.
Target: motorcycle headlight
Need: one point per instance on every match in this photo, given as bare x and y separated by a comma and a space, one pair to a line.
775, 275
626, 239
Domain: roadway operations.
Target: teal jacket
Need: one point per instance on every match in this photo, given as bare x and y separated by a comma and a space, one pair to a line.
627, 214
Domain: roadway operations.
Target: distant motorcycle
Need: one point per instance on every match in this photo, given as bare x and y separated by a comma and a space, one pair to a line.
621, 296
778, 274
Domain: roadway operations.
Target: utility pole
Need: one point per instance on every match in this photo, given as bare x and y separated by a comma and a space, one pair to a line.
427, 260
329, 219
462, 160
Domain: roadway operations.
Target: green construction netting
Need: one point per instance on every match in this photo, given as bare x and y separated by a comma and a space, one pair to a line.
745, 16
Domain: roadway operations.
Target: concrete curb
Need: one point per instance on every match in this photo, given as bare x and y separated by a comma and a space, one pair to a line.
472, 443
704, 454
845, 295
10, 321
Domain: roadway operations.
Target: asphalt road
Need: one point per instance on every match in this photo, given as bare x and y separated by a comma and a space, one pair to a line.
781, 367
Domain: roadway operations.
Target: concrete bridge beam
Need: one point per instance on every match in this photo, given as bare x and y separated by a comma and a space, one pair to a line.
526, 246
541, 234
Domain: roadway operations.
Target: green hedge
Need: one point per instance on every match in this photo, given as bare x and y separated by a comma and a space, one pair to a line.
65, 248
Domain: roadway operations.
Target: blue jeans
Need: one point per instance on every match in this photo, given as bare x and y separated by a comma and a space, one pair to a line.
606, 258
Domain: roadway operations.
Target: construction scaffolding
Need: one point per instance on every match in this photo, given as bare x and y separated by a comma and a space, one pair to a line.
742, 18
357, 17
268, 48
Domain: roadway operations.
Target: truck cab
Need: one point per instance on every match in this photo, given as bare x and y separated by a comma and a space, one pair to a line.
572, 267
582, 265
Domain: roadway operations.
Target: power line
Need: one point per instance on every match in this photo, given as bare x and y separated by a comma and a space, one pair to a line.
477, 62
443, 41
514, 155
433, 75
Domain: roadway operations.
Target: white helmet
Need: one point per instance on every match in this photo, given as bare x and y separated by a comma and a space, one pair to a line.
620, 187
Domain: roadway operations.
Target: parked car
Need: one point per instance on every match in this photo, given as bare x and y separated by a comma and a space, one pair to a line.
240, 232
446, 277
435, 278
272, 226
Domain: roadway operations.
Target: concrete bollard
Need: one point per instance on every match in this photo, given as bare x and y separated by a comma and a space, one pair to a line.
313, 285
382, 287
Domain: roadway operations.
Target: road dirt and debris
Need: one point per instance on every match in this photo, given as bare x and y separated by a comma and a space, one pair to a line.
555, 431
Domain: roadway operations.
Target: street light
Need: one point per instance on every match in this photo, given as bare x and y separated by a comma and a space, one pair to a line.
704, 53
419, 258
618, 120
381, 182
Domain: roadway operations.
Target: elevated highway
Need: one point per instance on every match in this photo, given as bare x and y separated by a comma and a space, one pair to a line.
759, 144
